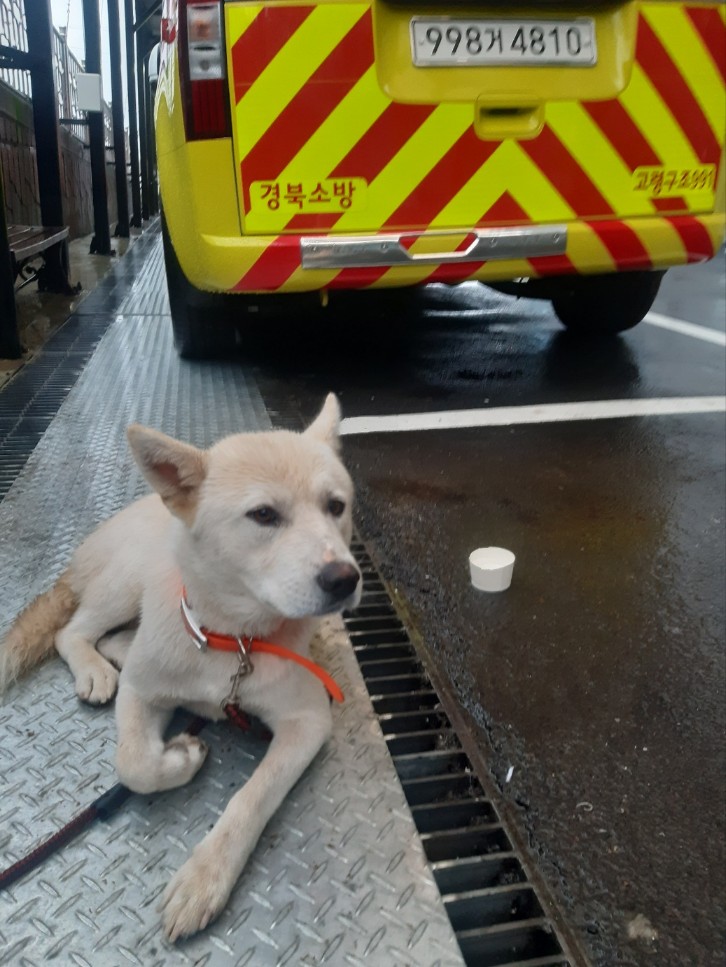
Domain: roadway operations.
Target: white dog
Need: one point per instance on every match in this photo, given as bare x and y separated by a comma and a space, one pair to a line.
226, 569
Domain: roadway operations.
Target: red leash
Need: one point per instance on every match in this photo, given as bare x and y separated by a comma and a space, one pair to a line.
242, 721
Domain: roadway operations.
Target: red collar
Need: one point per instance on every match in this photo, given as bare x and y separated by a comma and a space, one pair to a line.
243, 645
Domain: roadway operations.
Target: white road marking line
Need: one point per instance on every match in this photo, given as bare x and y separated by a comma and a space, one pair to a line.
686, 328
540, 413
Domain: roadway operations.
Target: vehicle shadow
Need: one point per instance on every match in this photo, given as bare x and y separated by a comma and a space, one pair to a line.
435, 340
354, 331
604, 363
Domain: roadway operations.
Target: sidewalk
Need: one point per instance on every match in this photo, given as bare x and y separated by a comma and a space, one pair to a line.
340, 875
41, 313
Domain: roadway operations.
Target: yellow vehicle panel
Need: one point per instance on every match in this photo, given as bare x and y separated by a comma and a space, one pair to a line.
336, 133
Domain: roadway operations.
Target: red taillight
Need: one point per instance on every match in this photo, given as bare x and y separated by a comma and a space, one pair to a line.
202, 69
208, 109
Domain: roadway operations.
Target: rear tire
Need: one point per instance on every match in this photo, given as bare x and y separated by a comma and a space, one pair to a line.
201, 330
611, 303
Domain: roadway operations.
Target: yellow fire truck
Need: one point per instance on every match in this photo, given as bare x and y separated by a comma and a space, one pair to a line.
570, 151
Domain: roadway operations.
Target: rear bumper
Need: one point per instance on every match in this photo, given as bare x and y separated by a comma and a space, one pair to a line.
283, 263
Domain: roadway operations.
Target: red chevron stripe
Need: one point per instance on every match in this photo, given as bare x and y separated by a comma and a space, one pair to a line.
560, 168
273, 268
391, 131
676, 94
626, 249
622, 133
712, 32
670, 204
553, 265
324, 90
453, 273
382, 141
505, 209
697, 241
443, 181
311, 222
366, 159
261, 43
370, 155
357, 278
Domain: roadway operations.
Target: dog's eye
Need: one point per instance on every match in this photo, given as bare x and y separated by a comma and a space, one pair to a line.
264, 516
336, 507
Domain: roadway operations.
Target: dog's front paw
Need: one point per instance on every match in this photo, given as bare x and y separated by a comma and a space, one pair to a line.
184, 756
97, 682
195, 895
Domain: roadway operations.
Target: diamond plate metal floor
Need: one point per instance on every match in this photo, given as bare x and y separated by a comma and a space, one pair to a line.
339, 876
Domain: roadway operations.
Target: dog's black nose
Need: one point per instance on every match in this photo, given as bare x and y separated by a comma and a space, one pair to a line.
338, 579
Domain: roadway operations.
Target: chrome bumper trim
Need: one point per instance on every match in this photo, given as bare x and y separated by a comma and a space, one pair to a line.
488, 244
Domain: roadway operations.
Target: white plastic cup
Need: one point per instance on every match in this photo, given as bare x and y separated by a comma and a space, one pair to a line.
491, 568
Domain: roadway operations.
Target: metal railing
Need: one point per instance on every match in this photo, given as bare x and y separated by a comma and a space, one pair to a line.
12, 34
65, 67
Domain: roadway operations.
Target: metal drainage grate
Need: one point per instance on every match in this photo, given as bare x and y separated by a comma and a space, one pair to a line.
494, 909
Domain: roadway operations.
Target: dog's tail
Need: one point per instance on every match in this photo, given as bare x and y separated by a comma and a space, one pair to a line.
32, 635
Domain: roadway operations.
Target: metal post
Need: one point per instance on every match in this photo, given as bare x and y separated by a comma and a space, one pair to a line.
39, 33
101, 241
133, 124
151, 146
45, 111
10, 347
143, 134
117, 107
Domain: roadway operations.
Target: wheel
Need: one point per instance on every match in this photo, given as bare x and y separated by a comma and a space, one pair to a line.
606, 303
200, 329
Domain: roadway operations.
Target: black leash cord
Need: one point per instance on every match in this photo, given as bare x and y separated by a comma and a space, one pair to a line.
102, 808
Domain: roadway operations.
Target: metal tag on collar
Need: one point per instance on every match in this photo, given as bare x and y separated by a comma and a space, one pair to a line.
245, 662
193, 629
244, 668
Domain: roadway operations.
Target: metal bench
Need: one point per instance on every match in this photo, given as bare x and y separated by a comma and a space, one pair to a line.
27, 243
20, 248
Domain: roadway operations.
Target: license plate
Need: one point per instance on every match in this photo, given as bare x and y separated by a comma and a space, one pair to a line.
447, 42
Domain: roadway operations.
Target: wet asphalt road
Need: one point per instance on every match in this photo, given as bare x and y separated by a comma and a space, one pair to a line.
599, 677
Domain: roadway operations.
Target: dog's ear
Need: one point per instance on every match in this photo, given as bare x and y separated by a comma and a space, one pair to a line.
326, 425
175, 470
